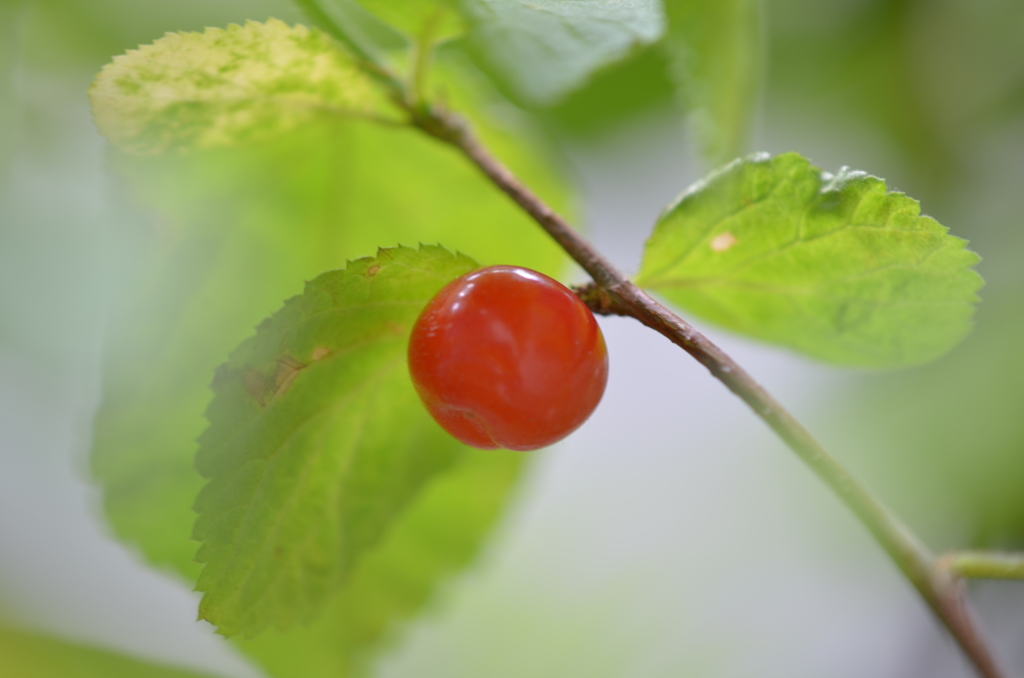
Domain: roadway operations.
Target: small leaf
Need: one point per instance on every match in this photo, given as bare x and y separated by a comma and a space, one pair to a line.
544, 48
834, 266
31, 655
440, 533
221, 87
718, 57
317, 441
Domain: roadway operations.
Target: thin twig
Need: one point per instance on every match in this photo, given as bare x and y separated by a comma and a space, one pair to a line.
614, 293
422, 55
984, 564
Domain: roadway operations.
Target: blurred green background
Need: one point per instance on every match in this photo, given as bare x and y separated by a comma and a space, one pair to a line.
672, 535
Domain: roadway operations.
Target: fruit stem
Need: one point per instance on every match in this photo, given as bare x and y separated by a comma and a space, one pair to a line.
612, 293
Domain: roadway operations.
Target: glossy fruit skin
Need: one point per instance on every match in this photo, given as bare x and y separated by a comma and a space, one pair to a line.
507, 357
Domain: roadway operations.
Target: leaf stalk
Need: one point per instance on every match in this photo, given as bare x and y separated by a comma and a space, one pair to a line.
422, 53
984, 564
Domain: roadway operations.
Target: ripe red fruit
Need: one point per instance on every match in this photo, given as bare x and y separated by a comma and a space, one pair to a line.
507, 357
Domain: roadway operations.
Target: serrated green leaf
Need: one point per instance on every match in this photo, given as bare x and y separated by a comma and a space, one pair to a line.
545, 48
221, 87
441, 18
833, 266
441, 533
718, 56
237, 231
31, 655
317, 441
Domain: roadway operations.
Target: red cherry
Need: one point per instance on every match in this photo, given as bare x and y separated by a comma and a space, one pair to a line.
507, 357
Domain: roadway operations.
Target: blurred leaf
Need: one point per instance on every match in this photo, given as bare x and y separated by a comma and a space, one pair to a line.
11, 13
237, 230
969, 59
944, 443
28, 655
413, 16
317, 441
535, 51
436, 537
221, 87
544, 48
617, 93
355, 26
718, 55
858, 65
834, 266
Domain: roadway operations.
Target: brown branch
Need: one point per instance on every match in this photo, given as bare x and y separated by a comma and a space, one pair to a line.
612, 293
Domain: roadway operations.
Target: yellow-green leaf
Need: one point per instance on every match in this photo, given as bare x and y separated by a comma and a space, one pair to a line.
226, 86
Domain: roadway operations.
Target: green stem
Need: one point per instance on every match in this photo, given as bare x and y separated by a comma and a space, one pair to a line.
423, 50
985, 564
